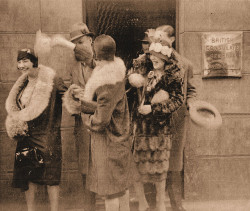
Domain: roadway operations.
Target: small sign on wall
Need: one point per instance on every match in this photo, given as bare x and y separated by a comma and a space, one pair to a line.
222, 54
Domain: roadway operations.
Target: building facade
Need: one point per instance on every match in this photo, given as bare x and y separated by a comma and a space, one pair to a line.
216, 162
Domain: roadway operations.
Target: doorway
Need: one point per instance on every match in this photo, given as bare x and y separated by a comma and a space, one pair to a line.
126, 21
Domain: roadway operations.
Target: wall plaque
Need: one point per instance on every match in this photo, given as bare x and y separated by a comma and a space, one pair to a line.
222, 54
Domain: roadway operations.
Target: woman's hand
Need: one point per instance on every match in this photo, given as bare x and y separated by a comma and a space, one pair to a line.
145, 109
77, 92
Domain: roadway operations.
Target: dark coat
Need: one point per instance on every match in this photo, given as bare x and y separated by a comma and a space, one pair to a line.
38, 124
152, 142
180, 118
112, 168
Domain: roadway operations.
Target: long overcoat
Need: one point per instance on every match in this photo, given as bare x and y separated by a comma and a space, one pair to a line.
180, 118
80, 76
112, 168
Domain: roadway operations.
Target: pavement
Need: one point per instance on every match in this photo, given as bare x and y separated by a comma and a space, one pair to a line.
69, 205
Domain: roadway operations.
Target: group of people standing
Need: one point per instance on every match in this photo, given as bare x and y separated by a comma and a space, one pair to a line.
122, 138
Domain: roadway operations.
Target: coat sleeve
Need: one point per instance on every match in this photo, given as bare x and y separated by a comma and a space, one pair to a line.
176, 97
72, 104
105, 107
60, 86
191, 89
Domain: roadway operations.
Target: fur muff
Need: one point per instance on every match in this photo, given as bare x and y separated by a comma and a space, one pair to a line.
16, 122
15, 127
72, 104
136, 80
104, 73
160, 97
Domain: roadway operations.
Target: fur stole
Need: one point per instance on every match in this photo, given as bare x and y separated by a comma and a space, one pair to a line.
104, 73
16, 122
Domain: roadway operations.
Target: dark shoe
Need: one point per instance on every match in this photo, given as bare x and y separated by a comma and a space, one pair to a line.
178, 208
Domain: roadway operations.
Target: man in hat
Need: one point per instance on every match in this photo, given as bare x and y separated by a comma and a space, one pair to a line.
82, 37
174, 180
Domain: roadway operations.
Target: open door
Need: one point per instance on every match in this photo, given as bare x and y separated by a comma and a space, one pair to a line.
127, 20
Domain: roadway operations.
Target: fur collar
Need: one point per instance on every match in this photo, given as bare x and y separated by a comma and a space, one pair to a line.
39, 99
104, 73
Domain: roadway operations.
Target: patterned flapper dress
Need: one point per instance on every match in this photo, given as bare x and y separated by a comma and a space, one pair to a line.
152, 135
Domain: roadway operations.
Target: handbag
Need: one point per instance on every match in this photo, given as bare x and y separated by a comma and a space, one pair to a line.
30, 162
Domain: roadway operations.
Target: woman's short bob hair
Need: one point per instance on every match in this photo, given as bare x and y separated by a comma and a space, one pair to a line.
27, 53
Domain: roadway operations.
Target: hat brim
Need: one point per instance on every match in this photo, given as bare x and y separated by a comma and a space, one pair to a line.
145, 41
212, 118
82, 35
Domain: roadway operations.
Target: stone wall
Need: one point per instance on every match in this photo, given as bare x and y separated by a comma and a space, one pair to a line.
217, 163
19, 21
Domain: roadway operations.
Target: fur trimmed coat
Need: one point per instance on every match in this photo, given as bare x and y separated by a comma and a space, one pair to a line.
179, 118
152, 134
38, 124
111, 168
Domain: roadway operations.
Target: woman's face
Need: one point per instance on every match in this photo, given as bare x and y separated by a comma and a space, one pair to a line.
26, 66
158, 63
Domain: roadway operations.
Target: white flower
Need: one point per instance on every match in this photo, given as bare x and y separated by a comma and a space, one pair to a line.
158, 47
166, 51
152, 47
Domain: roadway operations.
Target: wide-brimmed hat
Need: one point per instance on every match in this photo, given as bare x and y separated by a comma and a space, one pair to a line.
104, 47
205, 115
79, 30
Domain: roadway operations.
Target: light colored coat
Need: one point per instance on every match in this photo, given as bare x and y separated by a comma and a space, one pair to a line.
80, 76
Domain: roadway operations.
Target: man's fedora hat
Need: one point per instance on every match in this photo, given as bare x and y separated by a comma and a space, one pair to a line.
145, 40
79, 30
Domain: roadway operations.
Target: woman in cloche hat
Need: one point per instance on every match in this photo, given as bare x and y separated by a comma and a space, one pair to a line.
34, 108
160, 94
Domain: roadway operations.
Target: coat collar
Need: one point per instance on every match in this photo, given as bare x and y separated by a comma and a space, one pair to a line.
104, 73
39, 99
